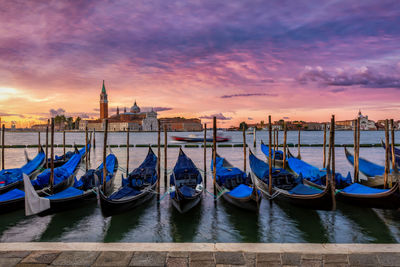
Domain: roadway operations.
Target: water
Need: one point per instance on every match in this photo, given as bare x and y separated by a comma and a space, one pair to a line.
210, 221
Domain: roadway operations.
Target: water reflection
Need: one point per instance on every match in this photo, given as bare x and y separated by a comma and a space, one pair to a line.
307, 221
184, 227
68, 221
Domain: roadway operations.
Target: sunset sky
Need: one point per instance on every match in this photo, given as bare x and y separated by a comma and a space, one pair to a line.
239, 60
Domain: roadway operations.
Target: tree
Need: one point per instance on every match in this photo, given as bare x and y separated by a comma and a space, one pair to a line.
243, 124
77, 120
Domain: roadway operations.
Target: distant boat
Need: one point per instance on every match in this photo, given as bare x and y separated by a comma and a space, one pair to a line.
196, 139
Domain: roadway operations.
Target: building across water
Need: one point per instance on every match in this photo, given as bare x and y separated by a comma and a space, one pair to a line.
136, 120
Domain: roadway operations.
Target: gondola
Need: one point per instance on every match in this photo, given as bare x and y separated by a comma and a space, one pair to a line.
136, 189
234, 186
285, 187
278, 154
315, 175
83, 189
186, 184
61, 160
372, 171
63, 178
361, 195
12, 178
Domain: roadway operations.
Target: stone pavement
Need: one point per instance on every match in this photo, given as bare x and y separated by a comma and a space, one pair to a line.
202, 255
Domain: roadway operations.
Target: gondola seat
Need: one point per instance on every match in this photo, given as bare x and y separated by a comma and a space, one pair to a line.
67, 193
241, 191
302, 189
362, 189
12, 194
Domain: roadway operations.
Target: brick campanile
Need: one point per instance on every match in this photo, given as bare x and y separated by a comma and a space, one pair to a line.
103, 103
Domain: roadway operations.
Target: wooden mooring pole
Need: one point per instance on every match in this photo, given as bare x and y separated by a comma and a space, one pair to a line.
104, 154
3, 129
86, 150
333, 150
52, 158
270, 156
165, 156
356, 173
274, 148
39, 140
214, 155
324, 149
244, 149
299, 144
64, 144
127, 152
394, 165
158, 157
94, 138
387, 165
284, 144
254, 136
205, 154
47, 144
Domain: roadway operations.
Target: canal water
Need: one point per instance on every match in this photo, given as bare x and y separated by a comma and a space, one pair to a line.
210, 221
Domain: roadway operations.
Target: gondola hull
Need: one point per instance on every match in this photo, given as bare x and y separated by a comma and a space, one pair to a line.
251, 203
110, 207
322, 201
186, 204
385, 200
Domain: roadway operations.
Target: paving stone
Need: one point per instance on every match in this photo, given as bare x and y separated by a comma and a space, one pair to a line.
148, 259
178, 254
202, 264
14, 254
291, 259
312, 257
336, 258
46, 257
268, 257
363, 259
202, 256
311, 263
114, 258
234, 258
336, 265
9, 262
250, 259
269, 264
31, 265
74, 258
389, 259
177, 262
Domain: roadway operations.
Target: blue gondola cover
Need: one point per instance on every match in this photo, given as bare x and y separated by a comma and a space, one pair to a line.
12, 194
9, 176
67, 193
302, 189
362, 189
241, 191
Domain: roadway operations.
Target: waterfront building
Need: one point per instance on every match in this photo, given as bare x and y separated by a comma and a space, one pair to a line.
181, 124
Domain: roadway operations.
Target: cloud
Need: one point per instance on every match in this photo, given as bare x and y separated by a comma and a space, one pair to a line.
338, 90
219, 116
55, 112
365, 77
4, 114
286, 118
248, 95
250, 119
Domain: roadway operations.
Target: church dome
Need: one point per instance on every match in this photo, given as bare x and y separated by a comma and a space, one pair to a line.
135, 108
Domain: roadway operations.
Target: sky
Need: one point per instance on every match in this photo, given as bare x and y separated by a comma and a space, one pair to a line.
237, 60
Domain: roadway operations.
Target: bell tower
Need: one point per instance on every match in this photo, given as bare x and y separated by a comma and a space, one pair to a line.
103, 103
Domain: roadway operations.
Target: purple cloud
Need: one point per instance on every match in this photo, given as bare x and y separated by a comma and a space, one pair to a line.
219, 116
365, 77
248, 95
